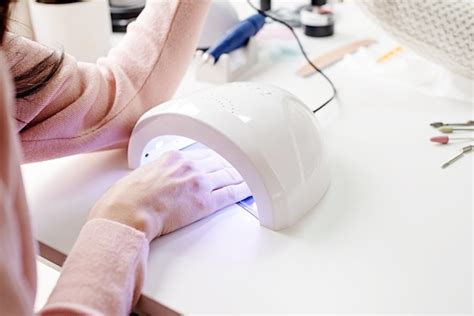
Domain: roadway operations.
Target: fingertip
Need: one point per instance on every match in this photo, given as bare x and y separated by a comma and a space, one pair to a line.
231, 194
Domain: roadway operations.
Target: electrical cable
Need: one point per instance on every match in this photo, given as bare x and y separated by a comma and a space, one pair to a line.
303, 52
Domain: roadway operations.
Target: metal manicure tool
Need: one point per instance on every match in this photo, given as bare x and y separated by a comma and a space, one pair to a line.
445, 139
441, 124
449, 129
465, 150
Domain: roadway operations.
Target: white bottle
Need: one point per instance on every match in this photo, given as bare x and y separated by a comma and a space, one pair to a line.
81, 28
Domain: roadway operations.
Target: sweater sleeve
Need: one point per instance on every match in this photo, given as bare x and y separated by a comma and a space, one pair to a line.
104, 272
17, 248
440, 30
88, 107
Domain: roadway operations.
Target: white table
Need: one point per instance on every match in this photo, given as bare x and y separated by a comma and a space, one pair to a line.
392, 234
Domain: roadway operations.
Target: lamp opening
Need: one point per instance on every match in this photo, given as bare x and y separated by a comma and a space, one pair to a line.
161, 144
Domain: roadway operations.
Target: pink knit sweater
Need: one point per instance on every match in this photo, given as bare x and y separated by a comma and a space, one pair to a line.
86, 107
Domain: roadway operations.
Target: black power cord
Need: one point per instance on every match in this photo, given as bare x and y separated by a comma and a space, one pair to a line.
334, 91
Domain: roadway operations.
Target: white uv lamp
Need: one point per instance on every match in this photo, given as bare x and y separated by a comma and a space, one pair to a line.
266, 133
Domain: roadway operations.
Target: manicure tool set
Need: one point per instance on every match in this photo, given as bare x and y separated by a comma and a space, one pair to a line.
449, 128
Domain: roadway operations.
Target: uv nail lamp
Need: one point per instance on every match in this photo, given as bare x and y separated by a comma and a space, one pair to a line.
266, 133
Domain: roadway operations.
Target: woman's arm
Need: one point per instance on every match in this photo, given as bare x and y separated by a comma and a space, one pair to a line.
17, 263
88, 107
104, 272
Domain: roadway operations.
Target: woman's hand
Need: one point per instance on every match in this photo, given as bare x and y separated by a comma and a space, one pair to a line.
171, 192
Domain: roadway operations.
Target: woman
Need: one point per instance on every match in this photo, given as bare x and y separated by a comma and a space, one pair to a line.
63, 107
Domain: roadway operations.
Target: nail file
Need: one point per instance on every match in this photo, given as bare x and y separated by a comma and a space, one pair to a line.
333, 56
388, 55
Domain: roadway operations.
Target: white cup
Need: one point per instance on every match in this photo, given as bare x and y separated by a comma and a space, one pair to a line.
83, 29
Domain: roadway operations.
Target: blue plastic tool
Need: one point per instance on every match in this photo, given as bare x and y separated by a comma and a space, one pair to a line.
236, 37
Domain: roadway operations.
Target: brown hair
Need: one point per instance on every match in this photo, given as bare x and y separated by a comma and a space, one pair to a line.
35, 78
3, 17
